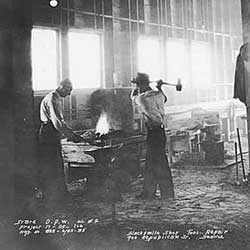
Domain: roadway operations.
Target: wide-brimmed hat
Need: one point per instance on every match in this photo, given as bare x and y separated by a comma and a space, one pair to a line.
141, 78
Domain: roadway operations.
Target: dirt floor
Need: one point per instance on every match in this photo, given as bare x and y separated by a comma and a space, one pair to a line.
210, 211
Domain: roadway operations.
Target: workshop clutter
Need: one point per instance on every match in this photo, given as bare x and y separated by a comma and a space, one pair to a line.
212, 144
199, 139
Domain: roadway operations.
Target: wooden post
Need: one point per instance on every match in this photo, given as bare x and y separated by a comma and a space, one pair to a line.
7, 142
245, 14
16, 133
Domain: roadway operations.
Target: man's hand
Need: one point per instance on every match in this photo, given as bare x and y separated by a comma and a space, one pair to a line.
134, 92
77, 138
159, 84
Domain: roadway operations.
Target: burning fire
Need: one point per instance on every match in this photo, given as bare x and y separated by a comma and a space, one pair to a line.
106, 123
102, 125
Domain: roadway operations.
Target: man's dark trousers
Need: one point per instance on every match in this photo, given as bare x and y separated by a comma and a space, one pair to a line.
51, 173
157, 169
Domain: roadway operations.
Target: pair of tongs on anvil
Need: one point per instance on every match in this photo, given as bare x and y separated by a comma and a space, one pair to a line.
118, 147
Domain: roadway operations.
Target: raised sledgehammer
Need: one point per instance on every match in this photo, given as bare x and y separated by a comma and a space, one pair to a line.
160, 82
178, 85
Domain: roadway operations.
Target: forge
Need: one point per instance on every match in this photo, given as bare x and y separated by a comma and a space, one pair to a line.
104, 149
108, 132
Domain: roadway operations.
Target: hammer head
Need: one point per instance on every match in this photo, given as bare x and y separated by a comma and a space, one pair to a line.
179, 85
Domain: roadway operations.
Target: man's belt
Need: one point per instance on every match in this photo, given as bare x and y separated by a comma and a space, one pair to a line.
48, 124
154, 126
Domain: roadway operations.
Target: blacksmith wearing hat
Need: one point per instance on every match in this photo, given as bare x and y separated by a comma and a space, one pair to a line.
150, 104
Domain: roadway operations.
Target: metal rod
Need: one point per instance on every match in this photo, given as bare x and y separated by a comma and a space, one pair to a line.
241, 155
232, 164
236, 161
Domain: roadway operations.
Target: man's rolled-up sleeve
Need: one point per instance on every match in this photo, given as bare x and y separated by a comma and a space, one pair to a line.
58, 120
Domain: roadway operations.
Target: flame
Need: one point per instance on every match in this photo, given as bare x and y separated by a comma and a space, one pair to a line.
102, 125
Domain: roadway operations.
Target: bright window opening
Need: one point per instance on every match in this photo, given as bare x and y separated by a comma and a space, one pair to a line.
177, 61
85, 59
149, 58
44, 59
201, 64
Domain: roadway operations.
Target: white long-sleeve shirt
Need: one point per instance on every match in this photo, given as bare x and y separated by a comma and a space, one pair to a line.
151, 105
51, 111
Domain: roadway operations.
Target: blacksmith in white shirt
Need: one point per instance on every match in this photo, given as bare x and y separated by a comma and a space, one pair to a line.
53, 126
150, 104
